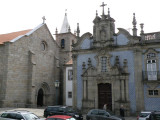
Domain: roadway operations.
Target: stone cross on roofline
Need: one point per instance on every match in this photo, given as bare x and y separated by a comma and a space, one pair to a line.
43, 19
103, 7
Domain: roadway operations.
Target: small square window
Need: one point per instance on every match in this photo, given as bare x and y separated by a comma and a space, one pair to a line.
150, 92
155, 92
69, 94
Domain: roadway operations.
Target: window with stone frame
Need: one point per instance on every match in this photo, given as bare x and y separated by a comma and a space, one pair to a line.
70, 74
69, 94
104, 64
151, 66
43, 45
153, 92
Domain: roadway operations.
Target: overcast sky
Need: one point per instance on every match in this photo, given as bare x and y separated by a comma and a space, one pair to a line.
17, 15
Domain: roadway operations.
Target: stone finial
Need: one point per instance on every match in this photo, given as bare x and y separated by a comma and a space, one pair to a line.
117, 61
96, 13
56, 32
134, 25
89, 62
142, 25
78, 30
74, 32
69, 29
134, 21
125, 65
108, 13
83, 65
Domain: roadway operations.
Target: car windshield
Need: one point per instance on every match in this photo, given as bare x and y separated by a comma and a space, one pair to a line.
30, 116
52, 108
144, 114
70, 109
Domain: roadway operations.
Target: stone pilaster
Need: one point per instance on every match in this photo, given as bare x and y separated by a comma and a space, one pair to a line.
138, 80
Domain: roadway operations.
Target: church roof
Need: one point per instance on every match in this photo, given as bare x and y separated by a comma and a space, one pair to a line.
10, 36
65, 25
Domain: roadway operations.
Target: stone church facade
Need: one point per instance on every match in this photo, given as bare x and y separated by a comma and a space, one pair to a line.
116, 68
29, 68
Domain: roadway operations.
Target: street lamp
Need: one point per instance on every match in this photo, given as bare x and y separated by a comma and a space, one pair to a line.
56, 83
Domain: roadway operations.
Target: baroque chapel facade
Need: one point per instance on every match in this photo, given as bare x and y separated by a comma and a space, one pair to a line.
116, 68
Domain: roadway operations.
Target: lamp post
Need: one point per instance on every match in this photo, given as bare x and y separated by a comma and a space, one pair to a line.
56, 83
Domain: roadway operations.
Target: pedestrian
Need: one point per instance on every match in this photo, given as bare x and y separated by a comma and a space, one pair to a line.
105, 107
121, 111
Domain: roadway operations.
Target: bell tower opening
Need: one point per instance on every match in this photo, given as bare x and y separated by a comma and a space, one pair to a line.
105, 95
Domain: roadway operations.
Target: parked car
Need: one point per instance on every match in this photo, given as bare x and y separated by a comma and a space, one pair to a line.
18, 115
63, 110
99, 114
155, 115
143, 115
60, 117
51, 110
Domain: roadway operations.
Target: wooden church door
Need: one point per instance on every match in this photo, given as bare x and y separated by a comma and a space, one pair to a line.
105, 95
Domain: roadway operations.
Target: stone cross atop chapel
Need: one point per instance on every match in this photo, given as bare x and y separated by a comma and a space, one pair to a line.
103, 7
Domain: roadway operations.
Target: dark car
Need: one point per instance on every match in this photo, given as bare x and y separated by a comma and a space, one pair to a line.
63, 110
155, 115
99, 114
51, 110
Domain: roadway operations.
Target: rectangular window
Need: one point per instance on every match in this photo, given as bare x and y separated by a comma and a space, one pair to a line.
151, 70
69, 94
153, 92
103, 64
70, 74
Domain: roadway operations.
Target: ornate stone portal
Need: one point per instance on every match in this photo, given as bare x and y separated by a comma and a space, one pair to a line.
114, 79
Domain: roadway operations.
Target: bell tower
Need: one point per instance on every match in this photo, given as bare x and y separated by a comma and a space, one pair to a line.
103, 29
65, 39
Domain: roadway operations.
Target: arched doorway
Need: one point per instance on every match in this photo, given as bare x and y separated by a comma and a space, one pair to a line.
40, 97
105, 95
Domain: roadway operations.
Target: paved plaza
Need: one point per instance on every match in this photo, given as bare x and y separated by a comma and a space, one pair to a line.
39, 112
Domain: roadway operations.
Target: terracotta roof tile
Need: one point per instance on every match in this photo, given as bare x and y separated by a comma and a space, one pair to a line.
10, 36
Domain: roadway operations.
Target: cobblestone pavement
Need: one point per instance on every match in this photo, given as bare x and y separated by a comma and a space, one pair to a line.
39, 112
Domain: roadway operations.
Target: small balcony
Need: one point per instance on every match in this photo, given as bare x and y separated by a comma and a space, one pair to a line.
151, 76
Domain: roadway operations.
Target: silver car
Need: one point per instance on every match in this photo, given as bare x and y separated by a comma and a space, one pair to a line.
18, 115
143, 115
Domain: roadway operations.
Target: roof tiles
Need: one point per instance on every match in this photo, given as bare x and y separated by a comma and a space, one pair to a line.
10, 36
